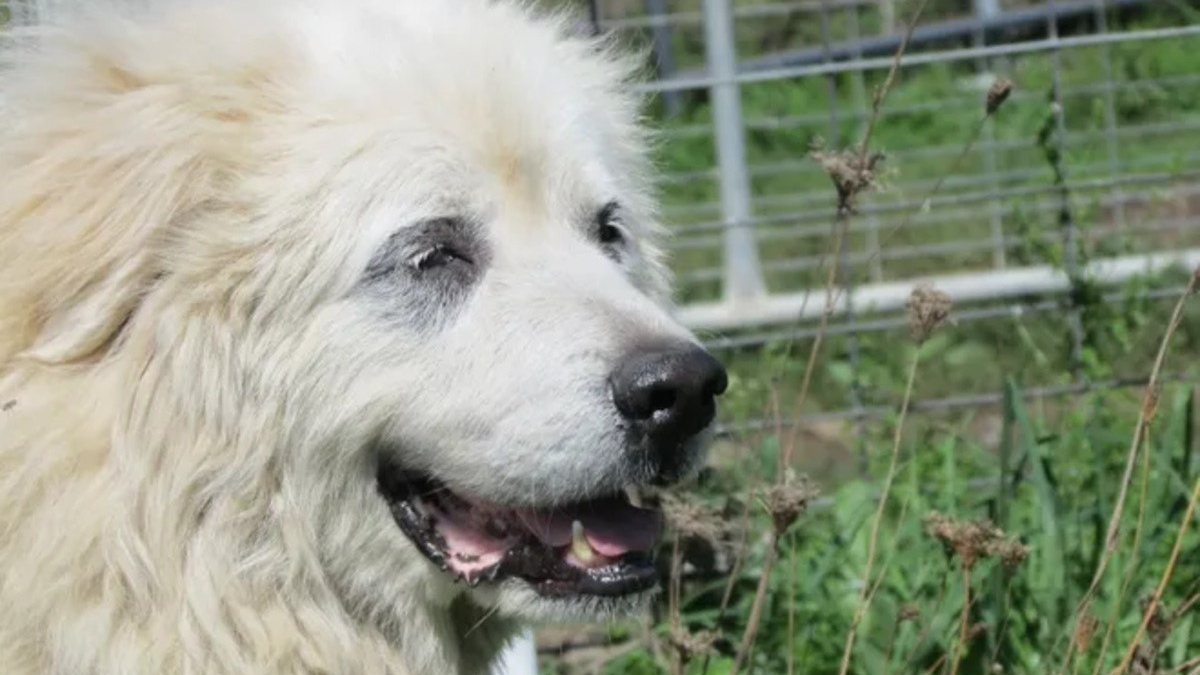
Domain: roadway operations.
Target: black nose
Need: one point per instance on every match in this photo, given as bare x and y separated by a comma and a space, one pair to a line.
670, 393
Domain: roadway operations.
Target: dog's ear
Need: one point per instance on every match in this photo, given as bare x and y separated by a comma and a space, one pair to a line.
99, 160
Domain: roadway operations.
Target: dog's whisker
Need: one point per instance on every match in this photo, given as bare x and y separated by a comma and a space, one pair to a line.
481, 621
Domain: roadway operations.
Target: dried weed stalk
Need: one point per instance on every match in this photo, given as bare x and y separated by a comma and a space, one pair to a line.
784, 501
846, 176
881, 93
688, 645
928, 309
997, 94
1153, 626
908, 613
970, 541
1130, 571
1157, 630
1140, 434
1085, 632
853, 174
690, 519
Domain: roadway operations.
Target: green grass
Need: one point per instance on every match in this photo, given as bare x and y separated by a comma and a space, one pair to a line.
1052, 481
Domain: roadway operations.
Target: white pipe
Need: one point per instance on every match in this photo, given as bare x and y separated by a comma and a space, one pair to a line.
519, 658
892, 296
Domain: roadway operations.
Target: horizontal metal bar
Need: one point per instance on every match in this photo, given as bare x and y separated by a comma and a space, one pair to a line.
809, 304
898, 321
964, 54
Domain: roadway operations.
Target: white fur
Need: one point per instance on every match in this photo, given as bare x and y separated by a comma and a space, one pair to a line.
195, 395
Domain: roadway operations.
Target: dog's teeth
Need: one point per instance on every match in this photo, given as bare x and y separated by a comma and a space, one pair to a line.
579, 544
635, 499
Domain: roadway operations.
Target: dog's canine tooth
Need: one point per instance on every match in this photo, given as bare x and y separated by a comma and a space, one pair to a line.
579, 544
635, 497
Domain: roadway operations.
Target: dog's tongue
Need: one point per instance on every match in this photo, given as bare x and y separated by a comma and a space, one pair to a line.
612, 527
615, 533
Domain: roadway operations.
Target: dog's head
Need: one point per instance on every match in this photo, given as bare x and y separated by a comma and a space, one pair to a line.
400, 254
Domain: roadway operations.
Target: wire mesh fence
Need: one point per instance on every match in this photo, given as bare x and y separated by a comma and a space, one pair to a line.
1085, 180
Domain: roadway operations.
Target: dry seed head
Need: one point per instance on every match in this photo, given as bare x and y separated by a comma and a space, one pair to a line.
786, 500
928, 309
691, 519
1010, 552
973, 540
690, 645
997, 94
852, 173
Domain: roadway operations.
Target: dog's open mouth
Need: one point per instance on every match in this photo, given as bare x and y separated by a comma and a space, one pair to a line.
601, 547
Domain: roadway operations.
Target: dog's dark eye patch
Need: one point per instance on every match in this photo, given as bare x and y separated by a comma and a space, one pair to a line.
427, 268
427, 245
607, 229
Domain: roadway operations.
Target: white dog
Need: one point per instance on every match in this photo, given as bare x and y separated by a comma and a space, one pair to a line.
332, 333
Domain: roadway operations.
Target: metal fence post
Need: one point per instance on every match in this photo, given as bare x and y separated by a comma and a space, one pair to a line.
986, 9
743, 271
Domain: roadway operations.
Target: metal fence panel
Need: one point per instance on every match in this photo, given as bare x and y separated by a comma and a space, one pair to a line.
1100, 166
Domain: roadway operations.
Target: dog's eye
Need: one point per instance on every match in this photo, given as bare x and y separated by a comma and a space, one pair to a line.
607, 230
610, 235
438, 256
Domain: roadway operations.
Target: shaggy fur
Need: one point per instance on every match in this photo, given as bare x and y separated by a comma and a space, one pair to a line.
197, 377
